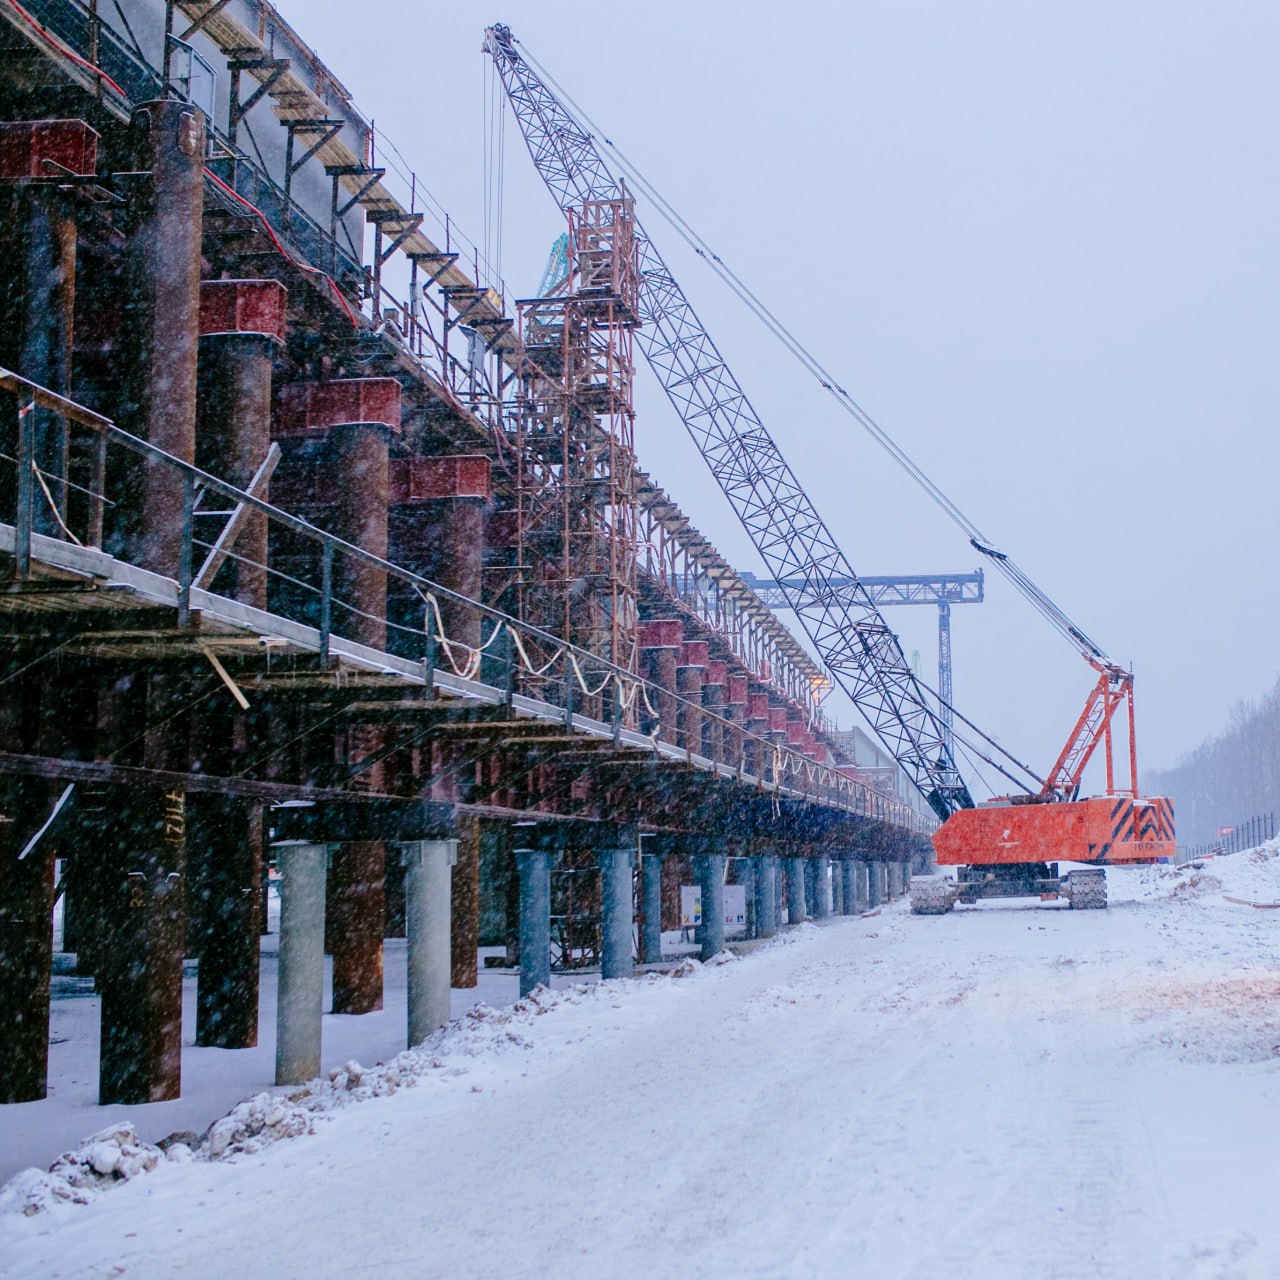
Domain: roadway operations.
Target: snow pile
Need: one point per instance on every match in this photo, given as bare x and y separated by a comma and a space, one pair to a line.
111, 1156
116, 1155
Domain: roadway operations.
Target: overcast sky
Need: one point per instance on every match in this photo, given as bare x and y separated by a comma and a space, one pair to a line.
1035, 241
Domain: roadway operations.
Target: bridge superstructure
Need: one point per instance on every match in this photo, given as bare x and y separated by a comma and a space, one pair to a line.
264, 538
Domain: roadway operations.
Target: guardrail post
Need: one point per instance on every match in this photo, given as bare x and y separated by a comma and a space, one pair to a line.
429, 653
326, 597
568, 698
185, 551
26, 488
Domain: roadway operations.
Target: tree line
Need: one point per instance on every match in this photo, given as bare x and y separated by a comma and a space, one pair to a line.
1228, 778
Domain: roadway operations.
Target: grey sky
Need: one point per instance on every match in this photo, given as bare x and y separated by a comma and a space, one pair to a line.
1036, 241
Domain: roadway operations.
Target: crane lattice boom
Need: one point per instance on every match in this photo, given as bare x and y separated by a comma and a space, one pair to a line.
851, 637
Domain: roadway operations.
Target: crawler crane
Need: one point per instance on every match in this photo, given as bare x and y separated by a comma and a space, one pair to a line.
1005, 847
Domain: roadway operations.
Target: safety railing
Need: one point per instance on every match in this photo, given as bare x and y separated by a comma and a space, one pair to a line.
95, 503
1235, 838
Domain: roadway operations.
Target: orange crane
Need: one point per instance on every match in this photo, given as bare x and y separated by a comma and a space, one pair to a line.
1005, 847
1010, 846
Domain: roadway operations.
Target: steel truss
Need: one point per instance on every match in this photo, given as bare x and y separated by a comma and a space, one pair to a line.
847, 630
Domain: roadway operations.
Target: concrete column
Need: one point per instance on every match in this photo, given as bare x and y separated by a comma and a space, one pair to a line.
300, 999
427, 916
795, 890
616, 912
161, 314
875, 883
744, 874
534, 866
766, 897
849, 885
242, 325
650, 905
822, 879
837, 888
779, 888
710, 869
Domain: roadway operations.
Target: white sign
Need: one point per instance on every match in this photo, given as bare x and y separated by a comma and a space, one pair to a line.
735, 906
690, 906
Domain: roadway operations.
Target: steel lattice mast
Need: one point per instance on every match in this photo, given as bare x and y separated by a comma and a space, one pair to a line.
851, 637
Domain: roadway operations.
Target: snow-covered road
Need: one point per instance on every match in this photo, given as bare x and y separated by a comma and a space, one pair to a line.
1011, 1091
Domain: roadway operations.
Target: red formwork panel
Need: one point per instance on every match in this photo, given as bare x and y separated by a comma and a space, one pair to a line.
758, 707
717, 672
738, 690
662, 633
243, 306
308, 408
778, 720
427, 479
25, 145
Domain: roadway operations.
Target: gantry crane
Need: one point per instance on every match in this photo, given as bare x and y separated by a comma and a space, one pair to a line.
940, 589
1006, 847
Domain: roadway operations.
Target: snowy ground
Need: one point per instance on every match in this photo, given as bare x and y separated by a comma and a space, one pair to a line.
1011, 1091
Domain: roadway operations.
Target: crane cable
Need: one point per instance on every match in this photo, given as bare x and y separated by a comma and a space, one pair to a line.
980, 542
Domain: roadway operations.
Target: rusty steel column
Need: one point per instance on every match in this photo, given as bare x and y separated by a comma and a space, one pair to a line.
736, 714
465, 890
140, 1057
437, 529
757, 723
716, 707
355, 418
690, 676
225, 839
26, 943
40, 149
242, 326
356, 909
660, 641
161, 319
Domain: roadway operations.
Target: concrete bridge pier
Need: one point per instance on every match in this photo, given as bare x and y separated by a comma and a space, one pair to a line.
428, 911
533, 865
300, 999
875, 884
795, 890
616, 897
766, 888
651, 853
849, 886
710, 871
837, 888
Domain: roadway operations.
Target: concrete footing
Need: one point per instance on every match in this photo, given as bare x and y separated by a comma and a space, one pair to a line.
428, 918
795, 890
766, 896
300, 1003
534, 868
710, 870
650, 908
616, 913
